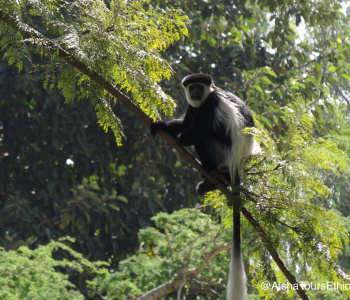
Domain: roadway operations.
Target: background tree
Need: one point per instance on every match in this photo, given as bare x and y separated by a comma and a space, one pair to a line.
34, 274
264, 61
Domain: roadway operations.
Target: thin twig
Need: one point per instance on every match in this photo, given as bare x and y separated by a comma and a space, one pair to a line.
255, 165
181, 286
279, 166
168, 240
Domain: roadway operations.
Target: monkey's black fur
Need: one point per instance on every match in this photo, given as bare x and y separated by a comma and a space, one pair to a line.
200, 127
213, 124
198, 78
197, 127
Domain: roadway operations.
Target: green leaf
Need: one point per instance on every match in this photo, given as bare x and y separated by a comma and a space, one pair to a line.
65, 220
347, 77
113, 206
122, 198
245, 28
258, 88
271, 73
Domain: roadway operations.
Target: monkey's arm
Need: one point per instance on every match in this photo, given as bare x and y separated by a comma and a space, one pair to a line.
194, 135
175, 126
202, 126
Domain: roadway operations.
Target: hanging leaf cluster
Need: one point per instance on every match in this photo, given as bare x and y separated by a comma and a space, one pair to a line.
121, 40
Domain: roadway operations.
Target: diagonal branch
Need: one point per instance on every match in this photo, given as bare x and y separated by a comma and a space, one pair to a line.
290, 277
40, 40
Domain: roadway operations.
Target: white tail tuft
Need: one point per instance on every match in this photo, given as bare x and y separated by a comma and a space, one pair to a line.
236, 285
243, 145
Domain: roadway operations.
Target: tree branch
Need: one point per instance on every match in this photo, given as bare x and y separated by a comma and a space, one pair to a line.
168, 240
41, 40
265, 171
174, 284
290, 277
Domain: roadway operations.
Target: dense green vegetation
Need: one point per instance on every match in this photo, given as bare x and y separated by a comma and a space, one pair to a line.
76, 158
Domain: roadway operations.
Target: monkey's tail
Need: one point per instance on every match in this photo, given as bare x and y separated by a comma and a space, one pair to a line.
236, 285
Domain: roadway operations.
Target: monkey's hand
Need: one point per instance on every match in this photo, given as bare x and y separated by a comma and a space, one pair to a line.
155, 126
173, 127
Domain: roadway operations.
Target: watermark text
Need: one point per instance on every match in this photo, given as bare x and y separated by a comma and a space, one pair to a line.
307, 286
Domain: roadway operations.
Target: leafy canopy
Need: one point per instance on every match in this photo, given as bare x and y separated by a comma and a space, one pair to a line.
180, 242
121, 40
32, 274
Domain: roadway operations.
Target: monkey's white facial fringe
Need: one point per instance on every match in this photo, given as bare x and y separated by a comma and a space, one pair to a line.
198, 103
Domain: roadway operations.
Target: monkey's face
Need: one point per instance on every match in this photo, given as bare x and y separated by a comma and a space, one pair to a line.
197, 93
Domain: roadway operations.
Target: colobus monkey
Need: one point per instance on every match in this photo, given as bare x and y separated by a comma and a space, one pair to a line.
213, 123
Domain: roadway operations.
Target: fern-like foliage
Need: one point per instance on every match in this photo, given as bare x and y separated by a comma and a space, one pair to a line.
284, 190
121, 41
36, 274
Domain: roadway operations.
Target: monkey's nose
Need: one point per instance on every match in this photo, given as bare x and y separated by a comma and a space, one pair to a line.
196, 96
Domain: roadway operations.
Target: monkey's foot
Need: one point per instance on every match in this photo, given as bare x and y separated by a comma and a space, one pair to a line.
223, 175
206, 185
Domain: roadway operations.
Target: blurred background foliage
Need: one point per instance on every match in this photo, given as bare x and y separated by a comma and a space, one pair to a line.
61, 174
